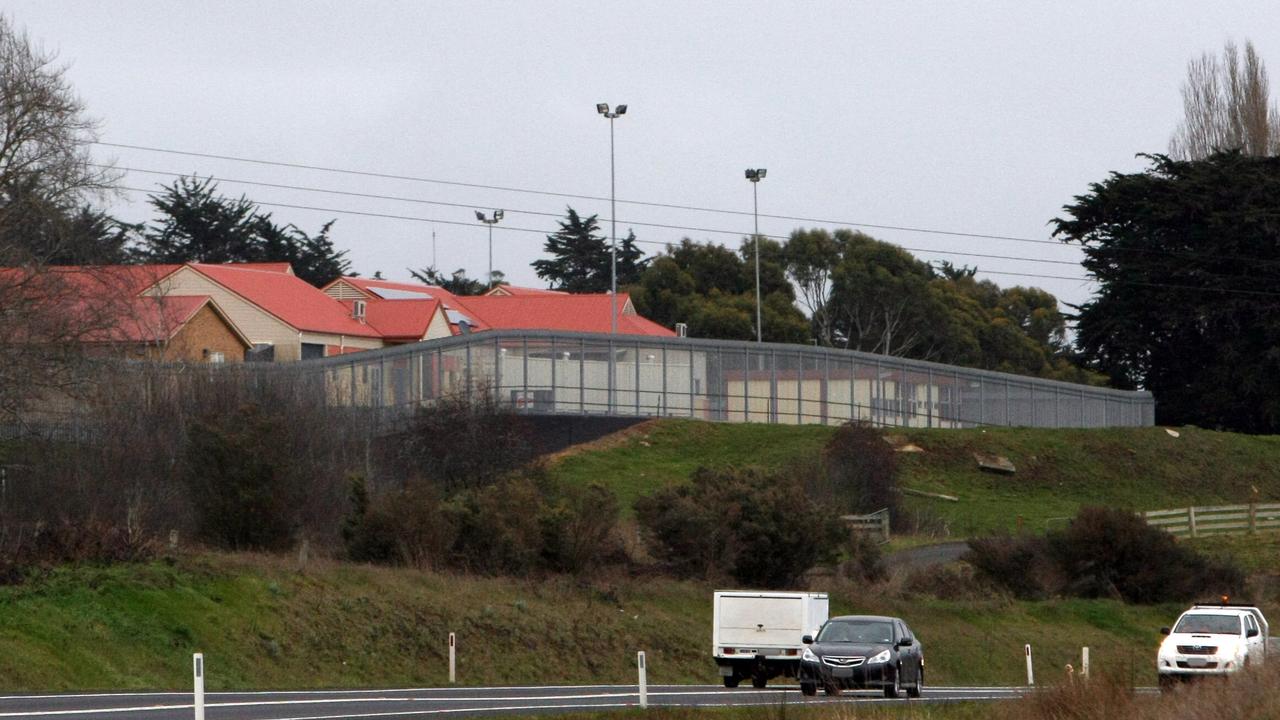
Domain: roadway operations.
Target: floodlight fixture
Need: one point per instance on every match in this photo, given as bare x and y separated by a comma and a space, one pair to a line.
497, 214
622, 110
480, 216
602, 108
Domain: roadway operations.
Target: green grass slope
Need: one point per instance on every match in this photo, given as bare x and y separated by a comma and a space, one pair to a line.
263, 624
1057, 470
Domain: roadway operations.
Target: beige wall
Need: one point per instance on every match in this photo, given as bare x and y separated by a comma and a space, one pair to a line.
439, 326
256, 324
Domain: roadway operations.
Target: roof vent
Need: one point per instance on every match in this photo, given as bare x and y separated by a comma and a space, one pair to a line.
357, 310
682, 329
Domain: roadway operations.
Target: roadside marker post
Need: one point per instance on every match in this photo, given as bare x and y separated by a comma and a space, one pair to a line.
644, 681
1084, 662
197, 662
453, 659
1031, 678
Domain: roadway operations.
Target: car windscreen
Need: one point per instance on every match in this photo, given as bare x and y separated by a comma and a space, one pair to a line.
872, 632
1206, 624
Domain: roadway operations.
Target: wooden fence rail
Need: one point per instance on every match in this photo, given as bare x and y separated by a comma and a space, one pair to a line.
1217, 519
876, 523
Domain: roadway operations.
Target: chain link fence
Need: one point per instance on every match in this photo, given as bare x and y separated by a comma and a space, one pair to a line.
541, 372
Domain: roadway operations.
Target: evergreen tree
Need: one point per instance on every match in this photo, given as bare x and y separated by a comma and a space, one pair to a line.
196, 224
458, 283
580, 256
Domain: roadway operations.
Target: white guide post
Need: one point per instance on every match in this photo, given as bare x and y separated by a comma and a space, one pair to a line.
644, 681
1084, 662
197, 666
1031, 678
453, 658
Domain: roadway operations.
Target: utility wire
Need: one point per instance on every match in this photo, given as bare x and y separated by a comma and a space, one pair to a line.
794, 218
636, 223
539, 231
548, 193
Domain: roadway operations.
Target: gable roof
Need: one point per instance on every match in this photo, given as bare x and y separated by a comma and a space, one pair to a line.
562, 311
287, 297
401, 319
156, 319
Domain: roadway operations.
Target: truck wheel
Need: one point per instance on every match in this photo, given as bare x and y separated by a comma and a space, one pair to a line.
808, 689
731, 681
759, 681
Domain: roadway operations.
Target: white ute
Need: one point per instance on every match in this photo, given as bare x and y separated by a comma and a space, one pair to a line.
1214, 640
760, 635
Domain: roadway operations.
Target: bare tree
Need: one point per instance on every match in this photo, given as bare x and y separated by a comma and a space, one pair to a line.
46, 176
1227, 106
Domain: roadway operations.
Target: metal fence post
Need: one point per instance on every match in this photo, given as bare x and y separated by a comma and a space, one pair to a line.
1191, 520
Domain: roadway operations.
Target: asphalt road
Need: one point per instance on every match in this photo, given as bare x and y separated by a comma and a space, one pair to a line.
427, 702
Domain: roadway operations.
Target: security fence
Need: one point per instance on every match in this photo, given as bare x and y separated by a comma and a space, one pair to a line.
541, 372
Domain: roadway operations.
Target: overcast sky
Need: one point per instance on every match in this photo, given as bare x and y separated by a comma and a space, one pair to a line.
960, 116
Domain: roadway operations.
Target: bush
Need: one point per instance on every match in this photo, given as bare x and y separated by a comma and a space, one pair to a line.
465, 442
1104, 552
406, 526
579, 527
865, 562
861, 471
759, 529
239, 474
1107, 552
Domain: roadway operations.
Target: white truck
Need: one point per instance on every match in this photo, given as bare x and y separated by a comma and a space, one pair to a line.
1213, 639
758, 634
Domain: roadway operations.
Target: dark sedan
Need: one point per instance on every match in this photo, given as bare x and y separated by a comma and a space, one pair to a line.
861, 652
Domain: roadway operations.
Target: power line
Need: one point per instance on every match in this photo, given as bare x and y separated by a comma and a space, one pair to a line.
548, 193
538, 231
634, 223
793, 218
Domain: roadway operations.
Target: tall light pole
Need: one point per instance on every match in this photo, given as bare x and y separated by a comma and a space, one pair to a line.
490, 221
755, 175
603, 109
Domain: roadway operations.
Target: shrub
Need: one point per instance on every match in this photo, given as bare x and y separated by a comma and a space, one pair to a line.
758, 529
238, 471
1014, 563
1108, 552
1104, 552
499, 532
579, 526
405, 526
861, 471
865, 562
465, 442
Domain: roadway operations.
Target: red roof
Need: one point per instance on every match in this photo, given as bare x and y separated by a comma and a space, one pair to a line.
288, 298
400, 319
149, 319
517, 291
560, 311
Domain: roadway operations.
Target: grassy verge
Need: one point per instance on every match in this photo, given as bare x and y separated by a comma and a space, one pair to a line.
263, 624
1057, 470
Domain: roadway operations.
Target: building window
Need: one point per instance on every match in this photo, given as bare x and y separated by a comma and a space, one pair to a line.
215, 356
261, 352
312, 351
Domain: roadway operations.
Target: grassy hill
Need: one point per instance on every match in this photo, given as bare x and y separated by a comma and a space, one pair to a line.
1057, 470
262, 623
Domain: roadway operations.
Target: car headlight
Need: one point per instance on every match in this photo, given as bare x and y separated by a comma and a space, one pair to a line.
808, 656
880, 657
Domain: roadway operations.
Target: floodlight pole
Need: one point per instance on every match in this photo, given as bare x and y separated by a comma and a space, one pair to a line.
755, 175
490, 221
611, 115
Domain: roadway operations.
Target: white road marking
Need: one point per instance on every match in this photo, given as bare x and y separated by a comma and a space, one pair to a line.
774, 695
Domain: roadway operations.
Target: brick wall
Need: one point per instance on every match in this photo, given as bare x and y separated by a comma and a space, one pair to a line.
206, 331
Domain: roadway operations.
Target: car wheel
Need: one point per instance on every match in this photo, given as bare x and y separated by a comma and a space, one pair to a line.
917, 688
892, 691
759, 681
832, 690
731, 681
808, 689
